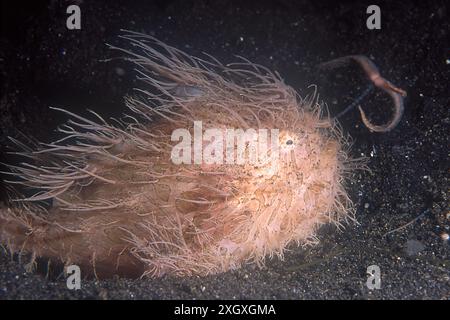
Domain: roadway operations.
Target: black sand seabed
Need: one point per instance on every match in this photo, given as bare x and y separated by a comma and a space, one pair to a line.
43, 64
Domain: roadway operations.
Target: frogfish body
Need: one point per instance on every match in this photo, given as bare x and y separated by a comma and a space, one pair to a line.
124, 203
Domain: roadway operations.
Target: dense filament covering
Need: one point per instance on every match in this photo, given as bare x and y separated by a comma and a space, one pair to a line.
122, 206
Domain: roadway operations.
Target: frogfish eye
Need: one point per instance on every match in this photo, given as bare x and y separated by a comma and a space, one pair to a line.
289, 142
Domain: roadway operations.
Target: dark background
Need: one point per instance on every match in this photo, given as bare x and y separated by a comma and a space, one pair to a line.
43, 64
